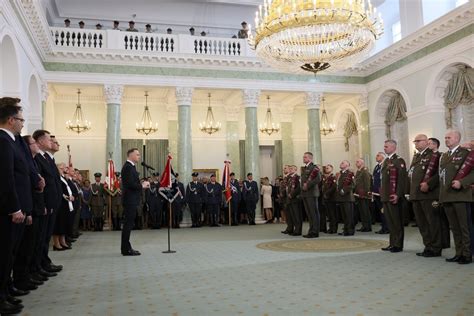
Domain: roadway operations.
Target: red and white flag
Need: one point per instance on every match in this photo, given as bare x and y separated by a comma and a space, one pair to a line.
166, 181
226, 181
110, 178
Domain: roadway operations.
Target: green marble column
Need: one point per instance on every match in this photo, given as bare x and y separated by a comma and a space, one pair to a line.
184, 97
252, 146
287, 143
113, 140
232, 145
313, 100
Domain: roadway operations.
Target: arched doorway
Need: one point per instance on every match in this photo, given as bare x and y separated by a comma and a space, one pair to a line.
9, 68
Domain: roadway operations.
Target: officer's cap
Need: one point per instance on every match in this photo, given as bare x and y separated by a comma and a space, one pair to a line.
98, 25
232, 174
116, 22
213, 175
131, 22
249, 174
117, 174
148, 25
97, 174
67, 20
81, 23
195, 174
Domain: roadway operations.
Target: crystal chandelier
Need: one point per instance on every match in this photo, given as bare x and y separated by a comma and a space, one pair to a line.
210, 126
78, 124
313, 35
325, 127
146, 126
269, 127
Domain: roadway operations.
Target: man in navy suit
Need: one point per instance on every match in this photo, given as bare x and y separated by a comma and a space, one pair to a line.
131, 193
376, 183
16, 198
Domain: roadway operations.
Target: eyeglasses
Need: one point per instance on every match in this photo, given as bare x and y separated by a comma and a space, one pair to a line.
19, 119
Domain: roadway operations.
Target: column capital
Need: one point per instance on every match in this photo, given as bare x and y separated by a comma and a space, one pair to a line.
251, 97
313, 99
184, 96
364, 102
113, 93
44, 91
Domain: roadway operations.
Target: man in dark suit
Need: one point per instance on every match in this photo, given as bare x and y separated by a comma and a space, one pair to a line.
15, 196
376, 184
213, 200
195, 195
132, 191
52, 194
236, 194
251, 196
179, 201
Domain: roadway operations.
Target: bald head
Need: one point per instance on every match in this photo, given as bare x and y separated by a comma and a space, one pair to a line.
421, 142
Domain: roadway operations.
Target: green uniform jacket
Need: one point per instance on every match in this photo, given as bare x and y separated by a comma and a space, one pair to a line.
329, 188
448, 168
293, 188
394, 178
311, 175
283, 192
97, 195
362, 183
345, 185
416, 175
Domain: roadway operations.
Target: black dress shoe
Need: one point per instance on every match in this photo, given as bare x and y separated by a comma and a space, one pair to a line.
295, 234
360, 229
285, 232
396, 249
366, 230
35, 282
17, 292
346, 234
26, 286
55, 267
387, 248
38, 277
136, 252
47, 273
13, 300
130, 253
7, 308
382, 232
432, 254
453, 259
465, 260
51, 269
421, 254
310, 236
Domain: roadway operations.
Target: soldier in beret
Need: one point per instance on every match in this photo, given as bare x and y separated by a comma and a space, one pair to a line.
345, 197
131, 27
67, 23
362, 189
394, 179
293, 190
97, 202
310, 179
329, 197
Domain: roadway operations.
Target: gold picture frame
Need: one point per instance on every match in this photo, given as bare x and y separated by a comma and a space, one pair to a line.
206, 173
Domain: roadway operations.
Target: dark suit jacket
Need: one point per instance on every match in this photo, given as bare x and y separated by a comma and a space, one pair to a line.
132, 188
195, 193
15, 186
52, 191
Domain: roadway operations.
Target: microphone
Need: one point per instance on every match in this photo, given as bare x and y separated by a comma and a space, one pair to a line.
147, 166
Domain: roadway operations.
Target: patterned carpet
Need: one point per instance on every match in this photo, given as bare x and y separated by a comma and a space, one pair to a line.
324, 245
221, 271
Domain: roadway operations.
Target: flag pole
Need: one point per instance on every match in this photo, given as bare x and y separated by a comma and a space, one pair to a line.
169, 235
169, 210
230, 211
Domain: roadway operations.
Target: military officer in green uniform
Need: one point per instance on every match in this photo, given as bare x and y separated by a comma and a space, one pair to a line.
310, 179
284, 200
329, 197
293, 190
97, 202
455, 194
115, 194
362, 189
424, 191
345, 197
394, 180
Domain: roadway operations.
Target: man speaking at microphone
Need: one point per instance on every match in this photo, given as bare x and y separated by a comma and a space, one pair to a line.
131, 192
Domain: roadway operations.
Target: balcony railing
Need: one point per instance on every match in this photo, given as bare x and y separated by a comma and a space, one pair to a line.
84, 39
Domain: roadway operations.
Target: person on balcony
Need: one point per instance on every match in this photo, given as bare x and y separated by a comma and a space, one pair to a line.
243, 33
148, 28
67, 23
131, 27
191, 31
203, 33
81, 24
98, 26
116, 26
169, 31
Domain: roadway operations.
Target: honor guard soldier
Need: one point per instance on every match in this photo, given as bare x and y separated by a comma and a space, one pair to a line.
154, 201
424, 191
236, 195
362, 189
97, 202
329, 197
250, 196
195, 198
131, 27
455, 194
394, 179
310, 179
293, 190
213, 192
345, 197
179, 201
